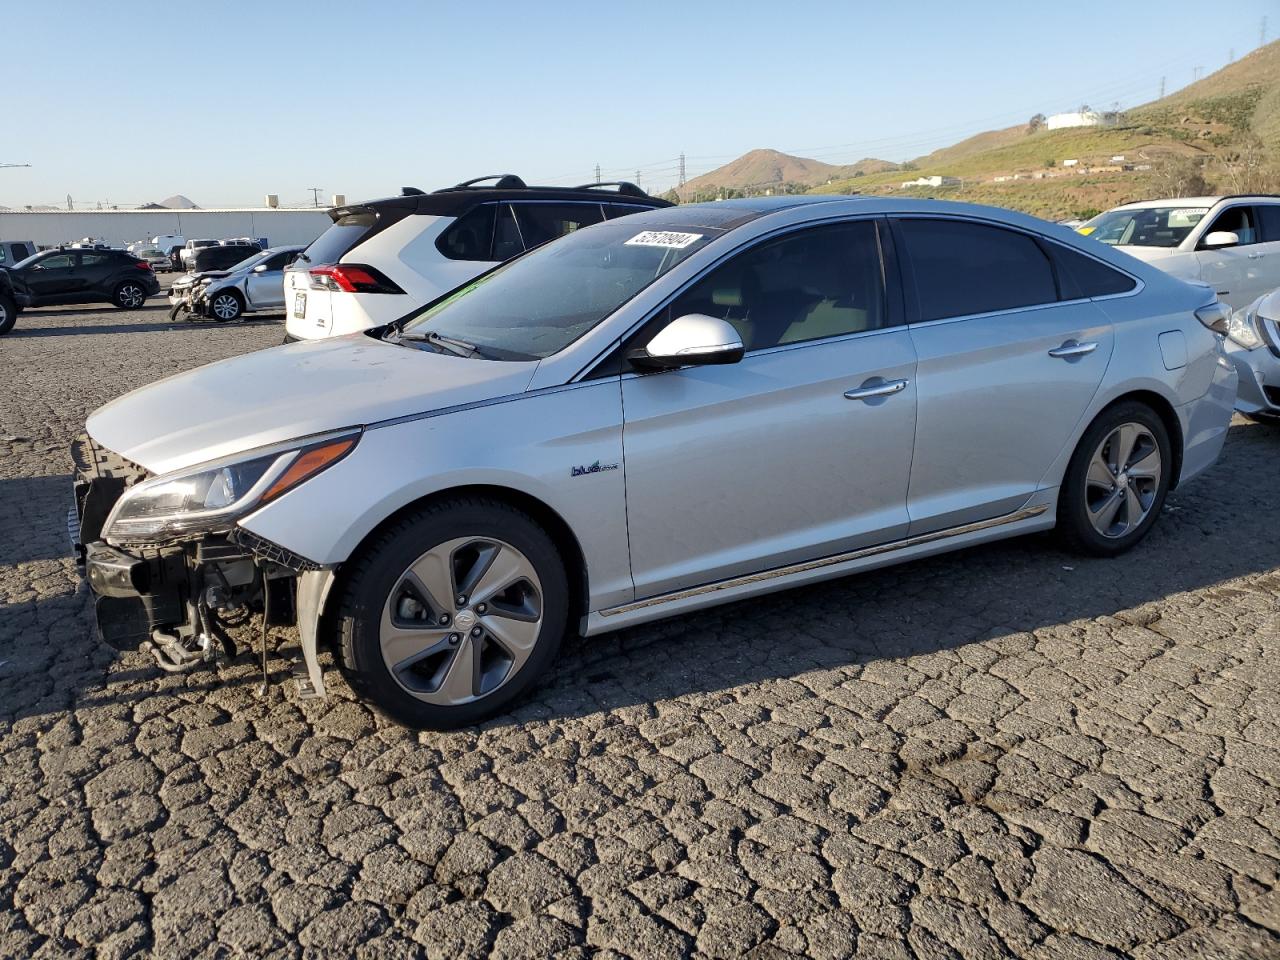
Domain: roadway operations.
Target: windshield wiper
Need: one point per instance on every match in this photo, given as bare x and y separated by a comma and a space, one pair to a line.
455, 346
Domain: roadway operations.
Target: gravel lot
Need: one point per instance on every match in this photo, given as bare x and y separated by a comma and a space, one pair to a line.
1009, 751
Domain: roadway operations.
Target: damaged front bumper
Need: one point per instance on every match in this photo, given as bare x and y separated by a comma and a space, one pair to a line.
179, 600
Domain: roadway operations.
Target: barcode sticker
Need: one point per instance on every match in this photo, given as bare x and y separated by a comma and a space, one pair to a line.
663, 238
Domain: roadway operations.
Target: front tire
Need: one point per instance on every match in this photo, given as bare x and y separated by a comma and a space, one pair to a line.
129, 296
225, 306
452, 613
1116, 482
8, 314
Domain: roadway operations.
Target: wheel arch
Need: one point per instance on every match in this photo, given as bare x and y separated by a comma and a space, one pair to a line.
543, 514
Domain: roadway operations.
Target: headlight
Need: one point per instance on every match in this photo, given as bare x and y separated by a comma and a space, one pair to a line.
1243, 328
212, 497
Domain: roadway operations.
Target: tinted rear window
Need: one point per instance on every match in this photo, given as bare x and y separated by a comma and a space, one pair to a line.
1081, 276
963, 268
345, 233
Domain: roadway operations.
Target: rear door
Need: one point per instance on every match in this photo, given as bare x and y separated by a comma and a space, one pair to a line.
1006, 366
95, 270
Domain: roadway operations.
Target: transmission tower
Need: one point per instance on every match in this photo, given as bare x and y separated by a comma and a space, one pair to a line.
597, 173
682, 169
1162, 88
1262, 33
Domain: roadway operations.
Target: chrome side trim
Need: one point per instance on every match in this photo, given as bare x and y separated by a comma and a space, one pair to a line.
1025, 513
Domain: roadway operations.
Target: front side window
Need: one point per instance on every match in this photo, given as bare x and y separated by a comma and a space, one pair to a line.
962, 268
810, 285
1144, 226
1237, 220
540, 303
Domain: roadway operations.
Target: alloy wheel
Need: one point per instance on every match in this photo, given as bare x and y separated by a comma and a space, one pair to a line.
1123, 480
225, 307
132, 296
461, 620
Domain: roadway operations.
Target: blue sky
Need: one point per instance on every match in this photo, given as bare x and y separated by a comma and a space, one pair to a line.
127, 104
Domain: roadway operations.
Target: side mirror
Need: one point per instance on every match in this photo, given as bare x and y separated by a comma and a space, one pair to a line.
692, 340
1220, 238
260, 268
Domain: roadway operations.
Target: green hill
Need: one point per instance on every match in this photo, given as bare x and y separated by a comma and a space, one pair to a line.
1216, 135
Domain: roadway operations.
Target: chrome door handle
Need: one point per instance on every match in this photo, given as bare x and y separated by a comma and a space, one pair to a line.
1073, 348
882, 389
1256, 256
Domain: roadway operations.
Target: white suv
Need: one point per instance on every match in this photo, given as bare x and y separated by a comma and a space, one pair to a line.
383, 258
1230, 243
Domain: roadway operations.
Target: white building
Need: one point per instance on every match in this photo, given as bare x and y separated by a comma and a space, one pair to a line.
934, 181
1081, 118
48, 228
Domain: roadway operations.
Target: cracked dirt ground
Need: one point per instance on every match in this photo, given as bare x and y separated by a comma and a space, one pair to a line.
1010, 751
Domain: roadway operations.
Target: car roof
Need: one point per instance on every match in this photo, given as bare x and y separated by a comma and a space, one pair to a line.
1195, 201
457, 200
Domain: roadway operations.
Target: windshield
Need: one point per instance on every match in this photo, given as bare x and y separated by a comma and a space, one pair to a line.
1144, 227
539, 303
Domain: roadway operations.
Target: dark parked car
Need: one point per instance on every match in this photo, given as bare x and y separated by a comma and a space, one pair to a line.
204, 259
8, 303
84, 276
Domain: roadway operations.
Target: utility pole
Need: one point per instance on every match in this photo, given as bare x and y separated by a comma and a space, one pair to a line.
1195, 74
315, 194
597, 173
637, 178
1161, 88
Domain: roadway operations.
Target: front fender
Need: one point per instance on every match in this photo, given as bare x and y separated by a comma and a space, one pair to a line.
529, 444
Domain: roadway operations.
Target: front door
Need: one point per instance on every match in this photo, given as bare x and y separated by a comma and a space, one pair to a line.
802, 449
1006, 370
1241, 273
52, 279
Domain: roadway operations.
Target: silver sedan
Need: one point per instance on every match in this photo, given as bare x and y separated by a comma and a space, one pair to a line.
649, 416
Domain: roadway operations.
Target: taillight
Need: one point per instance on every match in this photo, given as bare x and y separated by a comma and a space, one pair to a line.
1216, 316
143, 265
352, 278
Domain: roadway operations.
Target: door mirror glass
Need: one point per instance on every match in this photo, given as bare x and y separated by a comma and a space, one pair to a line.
691, 340
261, 268
1221, 238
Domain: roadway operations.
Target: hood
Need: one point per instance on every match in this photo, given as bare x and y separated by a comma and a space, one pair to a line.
288, 392
190, 279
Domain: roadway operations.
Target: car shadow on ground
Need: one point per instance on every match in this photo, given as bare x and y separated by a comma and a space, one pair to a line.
49, 497
184, 326
80, 310
1208, 534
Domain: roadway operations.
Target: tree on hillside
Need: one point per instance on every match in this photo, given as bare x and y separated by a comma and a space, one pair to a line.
1180, 177
1035, 123
1247, 168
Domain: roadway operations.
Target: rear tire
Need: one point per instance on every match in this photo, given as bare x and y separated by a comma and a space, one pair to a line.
1116, 482
452, 613
129, 296
8, 313
225, 306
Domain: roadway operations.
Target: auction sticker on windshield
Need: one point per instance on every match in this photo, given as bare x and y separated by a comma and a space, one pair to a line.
663, 238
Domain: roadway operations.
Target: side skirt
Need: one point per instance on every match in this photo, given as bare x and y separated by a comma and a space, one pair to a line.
1030, 518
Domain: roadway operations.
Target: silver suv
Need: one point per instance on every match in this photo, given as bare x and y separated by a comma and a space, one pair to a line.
682, 408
